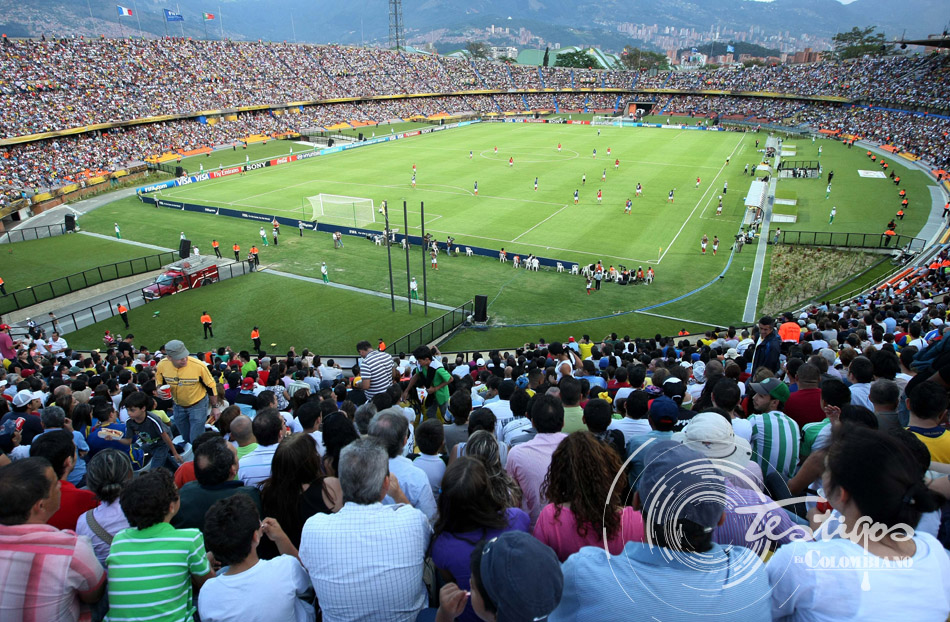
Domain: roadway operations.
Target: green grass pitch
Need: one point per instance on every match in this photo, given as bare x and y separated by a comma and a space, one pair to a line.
509, 213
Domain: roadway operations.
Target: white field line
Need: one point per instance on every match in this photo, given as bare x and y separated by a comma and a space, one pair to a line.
711, 186
515, 239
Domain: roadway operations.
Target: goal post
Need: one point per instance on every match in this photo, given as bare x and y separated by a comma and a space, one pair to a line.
344, 210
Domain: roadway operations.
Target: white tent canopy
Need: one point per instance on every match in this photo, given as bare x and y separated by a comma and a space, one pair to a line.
756, 195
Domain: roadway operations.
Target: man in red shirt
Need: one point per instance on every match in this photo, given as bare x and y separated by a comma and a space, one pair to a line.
47, 571
804, 405
58, 447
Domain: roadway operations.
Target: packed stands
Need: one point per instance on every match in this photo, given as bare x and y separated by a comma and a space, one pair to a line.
53, 85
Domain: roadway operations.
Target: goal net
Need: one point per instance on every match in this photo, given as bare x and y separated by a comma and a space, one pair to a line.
342, 210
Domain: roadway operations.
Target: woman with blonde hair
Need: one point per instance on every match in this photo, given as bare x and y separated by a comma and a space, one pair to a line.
503, 487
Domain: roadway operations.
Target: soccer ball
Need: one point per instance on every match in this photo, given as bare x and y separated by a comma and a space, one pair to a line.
380, 210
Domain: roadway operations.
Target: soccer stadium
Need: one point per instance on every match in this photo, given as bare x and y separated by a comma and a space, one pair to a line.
692, 319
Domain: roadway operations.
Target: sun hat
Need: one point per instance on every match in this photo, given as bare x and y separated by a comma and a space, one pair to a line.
713, 436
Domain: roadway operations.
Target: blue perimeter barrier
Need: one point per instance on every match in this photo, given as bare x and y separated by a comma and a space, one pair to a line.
325, 228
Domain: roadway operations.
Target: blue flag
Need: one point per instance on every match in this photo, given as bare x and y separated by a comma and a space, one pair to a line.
730, 49
171, 16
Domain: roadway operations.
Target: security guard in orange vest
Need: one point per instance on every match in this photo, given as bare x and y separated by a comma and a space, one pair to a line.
3, 289
900, 214
256, 338
237, 252
123, 313
206, 323
217, 251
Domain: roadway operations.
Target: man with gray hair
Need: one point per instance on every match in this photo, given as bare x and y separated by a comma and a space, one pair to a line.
885, 395
358, 568
392, 431
54, 418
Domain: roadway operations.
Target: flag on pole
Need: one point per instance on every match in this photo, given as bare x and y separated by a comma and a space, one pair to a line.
209, 17
124, 11
171, 16
730, 49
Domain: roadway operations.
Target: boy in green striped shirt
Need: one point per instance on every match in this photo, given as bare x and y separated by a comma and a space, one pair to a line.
775, 435
152, 565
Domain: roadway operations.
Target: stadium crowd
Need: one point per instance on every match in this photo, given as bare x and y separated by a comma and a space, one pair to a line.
59, 84
294, 488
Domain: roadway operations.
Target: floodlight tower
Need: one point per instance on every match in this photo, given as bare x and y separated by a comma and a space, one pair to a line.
396, 40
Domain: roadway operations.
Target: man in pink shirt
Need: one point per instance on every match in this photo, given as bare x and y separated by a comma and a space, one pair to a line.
47, 572
528, 462
7, 344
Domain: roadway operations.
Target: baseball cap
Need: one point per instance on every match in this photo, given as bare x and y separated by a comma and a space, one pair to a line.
772, 387
247, 384
506, 561
664, 409
713, 436
480, 363
699, 371
680, 483
176, 350
24, 397
4, 327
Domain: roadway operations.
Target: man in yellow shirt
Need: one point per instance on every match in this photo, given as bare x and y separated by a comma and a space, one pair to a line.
191, 387
927, 403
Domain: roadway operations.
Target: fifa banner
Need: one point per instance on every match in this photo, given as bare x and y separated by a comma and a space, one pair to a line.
234, 170
414, 240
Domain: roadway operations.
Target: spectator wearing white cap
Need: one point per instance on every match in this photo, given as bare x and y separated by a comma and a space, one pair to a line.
26, 404
711, 434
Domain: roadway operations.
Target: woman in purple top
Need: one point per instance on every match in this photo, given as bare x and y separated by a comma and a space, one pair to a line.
468, 513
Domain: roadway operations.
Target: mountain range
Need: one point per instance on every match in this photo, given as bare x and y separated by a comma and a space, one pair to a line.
367, 21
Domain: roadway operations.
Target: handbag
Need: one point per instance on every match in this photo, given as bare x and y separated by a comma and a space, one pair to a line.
97, 529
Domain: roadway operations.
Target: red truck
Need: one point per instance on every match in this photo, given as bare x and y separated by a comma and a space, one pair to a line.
181, 275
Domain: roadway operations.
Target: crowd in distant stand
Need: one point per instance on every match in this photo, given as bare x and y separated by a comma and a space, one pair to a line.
57, 84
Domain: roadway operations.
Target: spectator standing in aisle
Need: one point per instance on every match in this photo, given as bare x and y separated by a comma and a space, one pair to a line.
376, 369
192, 387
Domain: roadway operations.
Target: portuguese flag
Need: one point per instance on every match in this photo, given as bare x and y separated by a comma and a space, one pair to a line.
209, 16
